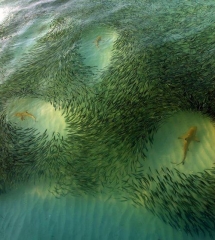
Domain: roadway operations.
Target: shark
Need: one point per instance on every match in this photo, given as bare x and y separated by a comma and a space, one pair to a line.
25, 114
188, 138
97, 41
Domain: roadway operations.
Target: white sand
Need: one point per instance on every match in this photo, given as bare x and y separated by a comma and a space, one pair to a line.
32, 212
46, 116
98, 54
168, 148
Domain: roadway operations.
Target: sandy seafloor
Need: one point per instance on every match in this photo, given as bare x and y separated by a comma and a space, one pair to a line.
31, 212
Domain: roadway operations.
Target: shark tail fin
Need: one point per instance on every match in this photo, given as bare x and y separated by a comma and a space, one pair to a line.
182, 162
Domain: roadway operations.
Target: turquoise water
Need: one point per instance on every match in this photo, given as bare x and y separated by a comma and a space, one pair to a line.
98, 100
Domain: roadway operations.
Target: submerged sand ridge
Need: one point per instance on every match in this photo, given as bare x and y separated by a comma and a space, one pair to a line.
77, 217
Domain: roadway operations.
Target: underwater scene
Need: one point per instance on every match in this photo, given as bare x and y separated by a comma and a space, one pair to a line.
107, 120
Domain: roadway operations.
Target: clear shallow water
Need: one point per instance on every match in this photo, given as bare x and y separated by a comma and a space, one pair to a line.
44, 217
93, 98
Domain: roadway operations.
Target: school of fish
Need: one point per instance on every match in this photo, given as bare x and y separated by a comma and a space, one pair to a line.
110, 123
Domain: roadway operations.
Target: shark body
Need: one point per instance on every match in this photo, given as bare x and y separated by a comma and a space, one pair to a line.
188, 138
23, 115
97, 41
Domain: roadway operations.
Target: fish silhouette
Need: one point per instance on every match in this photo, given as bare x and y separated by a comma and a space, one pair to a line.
188, 138
97, 41
23, 115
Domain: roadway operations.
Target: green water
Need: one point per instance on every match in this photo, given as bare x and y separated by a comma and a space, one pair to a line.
93, 98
